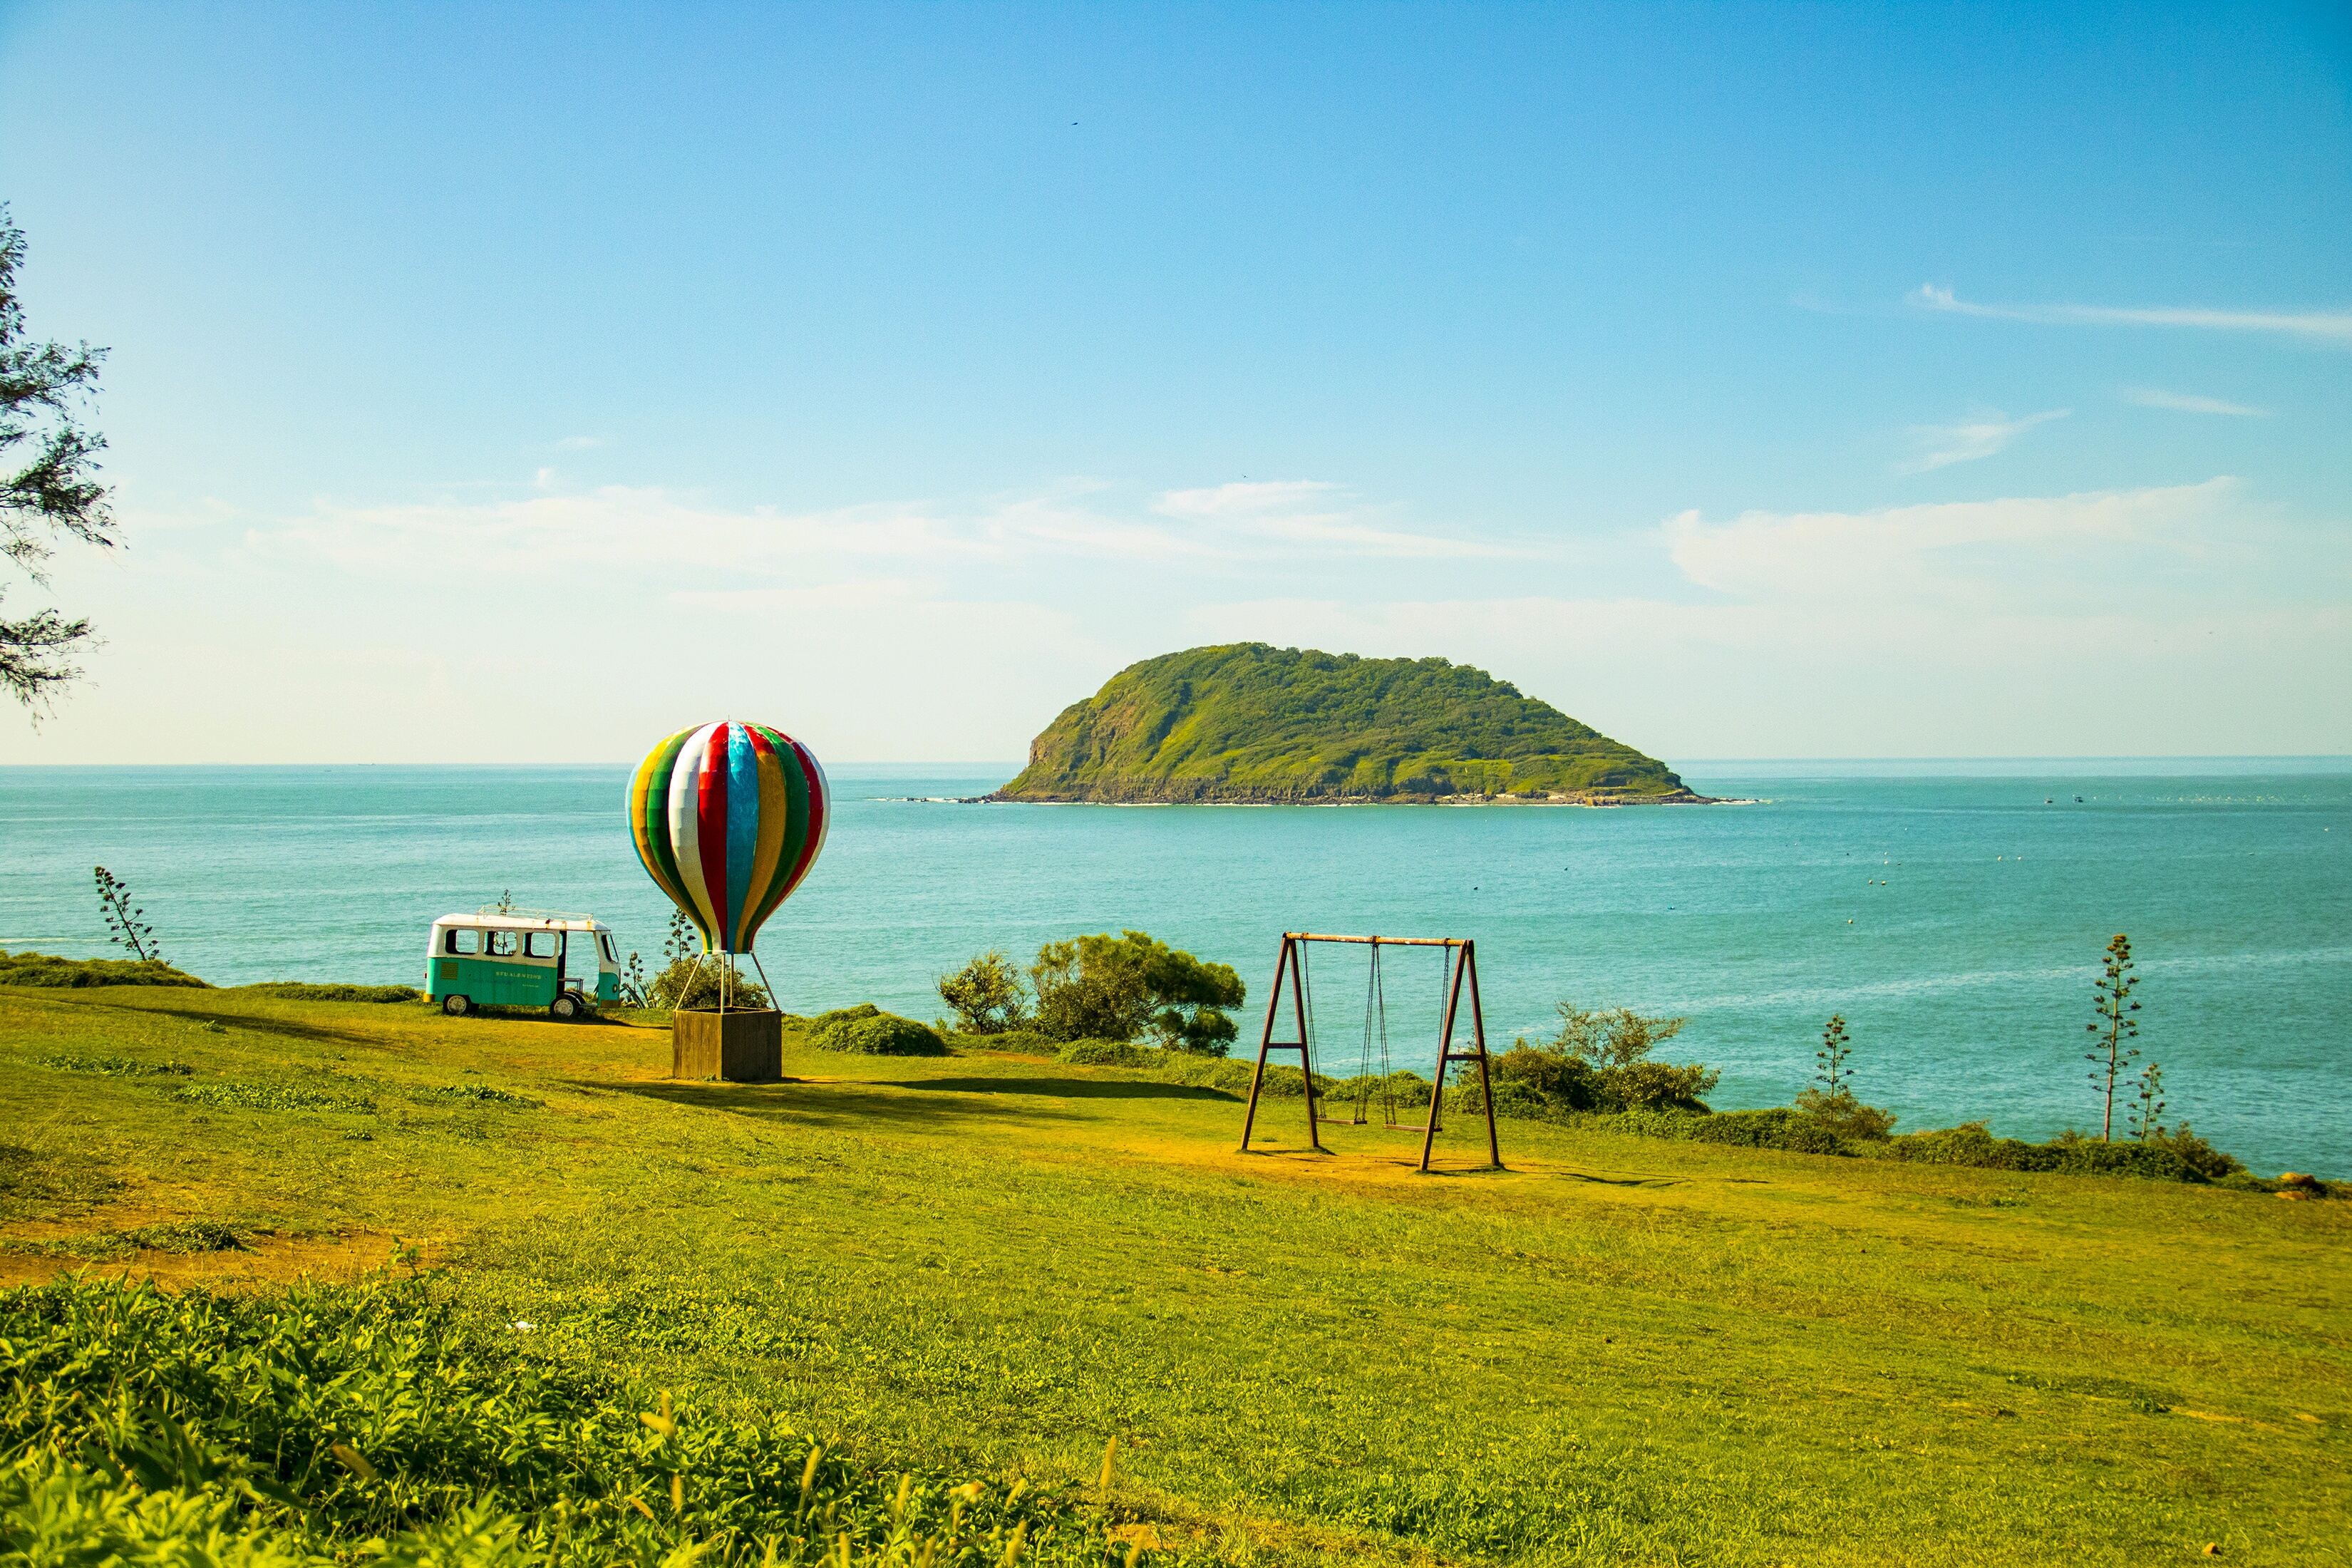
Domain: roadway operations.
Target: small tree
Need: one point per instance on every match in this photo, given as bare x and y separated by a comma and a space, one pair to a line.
2113, 1027
122, 920
1115, 988
2148, 1104
1612, 1037
1615, 1043
986, 995
1835, 1048
55, 494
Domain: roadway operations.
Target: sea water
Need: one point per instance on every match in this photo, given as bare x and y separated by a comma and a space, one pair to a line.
1954, 914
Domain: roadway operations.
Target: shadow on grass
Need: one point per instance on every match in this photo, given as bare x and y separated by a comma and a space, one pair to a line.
821, 1104
285, 1028
1063, 1087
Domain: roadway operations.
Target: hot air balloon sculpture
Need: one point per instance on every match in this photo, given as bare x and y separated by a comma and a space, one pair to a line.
727, 819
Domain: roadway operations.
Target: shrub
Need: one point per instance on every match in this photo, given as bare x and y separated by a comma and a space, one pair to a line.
1614, 1044
1971, 1143
296, 991
1778, 1129
1527, 1075
1025, 1042
1655, 1086
986, 995
1105, 1054
1403, 1088
684, 984
1845, 1116
868, 1031
40, 969
2095, 1157
2197, 1155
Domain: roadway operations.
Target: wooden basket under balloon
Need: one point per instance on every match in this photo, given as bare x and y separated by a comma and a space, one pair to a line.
736, 1046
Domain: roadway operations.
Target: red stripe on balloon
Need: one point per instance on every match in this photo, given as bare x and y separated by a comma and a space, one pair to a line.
711, 831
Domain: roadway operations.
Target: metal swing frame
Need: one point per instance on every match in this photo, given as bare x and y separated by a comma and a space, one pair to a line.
1462, 965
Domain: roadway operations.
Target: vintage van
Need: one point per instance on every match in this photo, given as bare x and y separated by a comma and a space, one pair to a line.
521, 958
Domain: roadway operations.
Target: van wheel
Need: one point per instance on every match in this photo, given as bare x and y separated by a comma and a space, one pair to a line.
566, 1006
456, 1007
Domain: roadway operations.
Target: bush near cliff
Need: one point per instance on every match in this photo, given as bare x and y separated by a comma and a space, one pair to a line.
868, 1031
40, 969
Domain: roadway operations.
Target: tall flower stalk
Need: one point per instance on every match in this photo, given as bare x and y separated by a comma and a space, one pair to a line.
2115, 1027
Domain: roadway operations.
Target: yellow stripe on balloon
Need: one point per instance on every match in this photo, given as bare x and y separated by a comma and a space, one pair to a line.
641, 789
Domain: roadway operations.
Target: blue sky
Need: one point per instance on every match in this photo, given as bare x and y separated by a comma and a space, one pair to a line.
518, 384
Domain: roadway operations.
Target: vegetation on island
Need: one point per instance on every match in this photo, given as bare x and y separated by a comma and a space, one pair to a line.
1248, 722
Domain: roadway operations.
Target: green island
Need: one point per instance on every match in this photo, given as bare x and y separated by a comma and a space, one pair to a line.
494, 1290
1247, 723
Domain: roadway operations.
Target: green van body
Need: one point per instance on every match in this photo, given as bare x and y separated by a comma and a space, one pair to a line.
519, 958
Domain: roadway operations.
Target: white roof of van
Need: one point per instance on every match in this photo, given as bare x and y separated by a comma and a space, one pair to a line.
520, 920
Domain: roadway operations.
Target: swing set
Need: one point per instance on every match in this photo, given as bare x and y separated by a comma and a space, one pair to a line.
1458, 973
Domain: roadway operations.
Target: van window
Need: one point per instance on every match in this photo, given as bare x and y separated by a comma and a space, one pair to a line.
541, 944
461, 939
604, 940
502, 944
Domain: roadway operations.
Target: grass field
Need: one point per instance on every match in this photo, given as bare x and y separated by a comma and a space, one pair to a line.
1618, 1350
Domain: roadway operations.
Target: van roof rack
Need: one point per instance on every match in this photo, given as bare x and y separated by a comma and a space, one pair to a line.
514, 914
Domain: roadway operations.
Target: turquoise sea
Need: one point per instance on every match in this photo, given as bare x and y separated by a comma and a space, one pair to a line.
1955, 913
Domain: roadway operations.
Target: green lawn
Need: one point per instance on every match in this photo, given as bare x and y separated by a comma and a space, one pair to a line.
1617, 1351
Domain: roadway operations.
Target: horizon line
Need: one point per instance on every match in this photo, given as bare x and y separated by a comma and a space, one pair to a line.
1016, 767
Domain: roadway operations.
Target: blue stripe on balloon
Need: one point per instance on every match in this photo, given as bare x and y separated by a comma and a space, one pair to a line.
742, 824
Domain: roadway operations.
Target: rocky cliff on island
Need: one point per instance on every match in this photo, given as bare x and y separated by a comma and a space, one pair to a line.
1252, 724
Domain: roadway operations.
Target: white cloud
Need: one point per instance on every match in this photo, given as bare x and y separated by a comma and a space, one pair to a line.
2189, 403
1954, 555
1980, 437
614, 525
2331, 328
921, 629
1984, 629
651, 527
1308, 513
